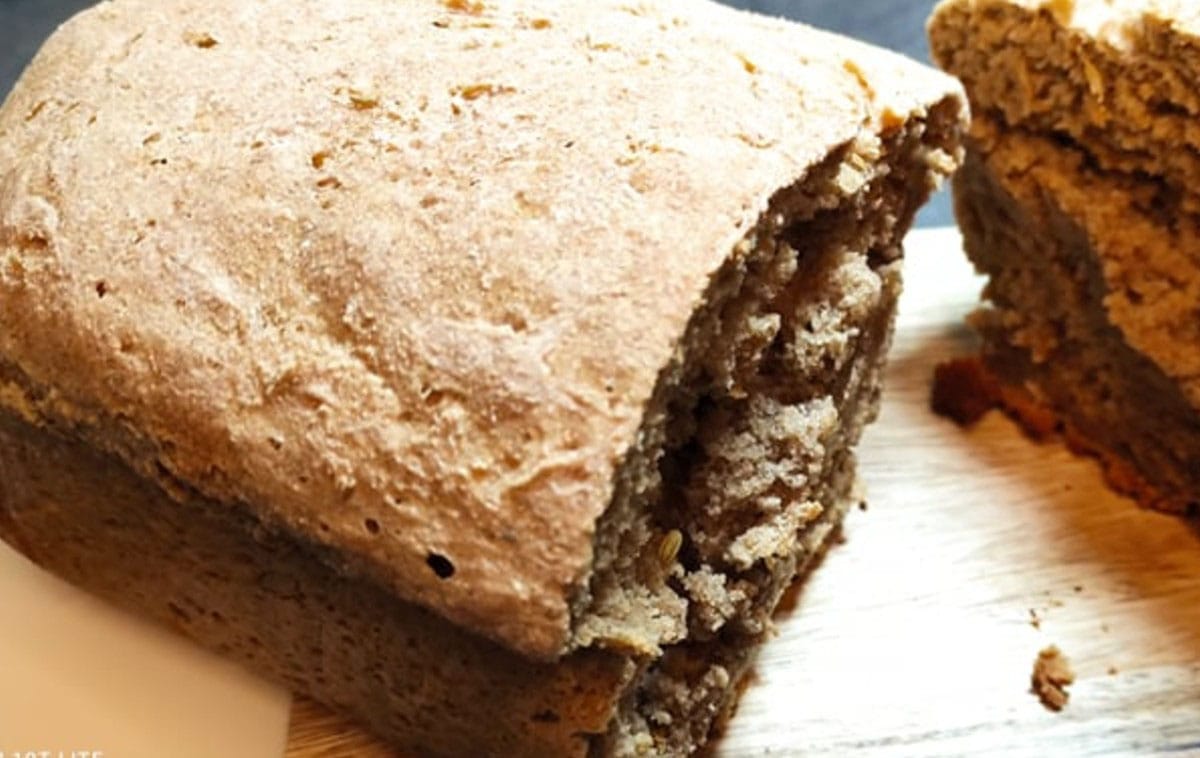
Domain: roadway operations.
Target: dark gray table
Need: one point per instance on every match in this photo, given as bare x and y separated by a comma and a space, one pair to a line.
898, 24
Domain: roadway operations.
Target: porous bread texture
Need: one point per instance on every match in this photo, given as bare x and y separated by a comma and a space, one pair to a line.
1089, 296
415, 314
1121, 77
759, 465
760, 373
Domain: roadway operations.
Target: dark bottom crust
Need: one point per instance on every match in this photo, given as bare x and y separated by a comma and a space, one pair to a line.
965, 389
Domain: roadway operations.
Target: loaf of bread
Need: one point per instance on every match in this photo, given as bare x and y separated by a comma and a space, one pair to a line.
1079, 201
485, 370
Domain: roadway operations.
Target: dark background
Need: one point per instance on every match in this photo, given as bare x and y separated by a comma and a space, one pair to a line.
898, 24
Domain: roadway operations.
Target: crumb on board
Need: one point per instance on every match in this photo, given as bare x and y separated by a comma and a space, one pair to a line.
463, 6
963, 391
1112, 671
1034, 619
1051, 675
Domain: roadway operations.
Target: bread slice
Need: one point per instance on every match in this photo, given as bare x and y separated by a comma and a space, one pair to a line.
500, 359
1088, 308
1077, 201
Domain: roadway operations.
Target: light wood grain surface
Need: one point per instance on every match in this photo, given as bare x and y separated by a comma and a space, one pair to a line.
915, 636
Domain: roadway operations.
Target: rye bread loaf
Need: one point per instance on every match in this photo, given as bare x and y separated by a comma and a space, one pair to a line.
1078, 200
524, 342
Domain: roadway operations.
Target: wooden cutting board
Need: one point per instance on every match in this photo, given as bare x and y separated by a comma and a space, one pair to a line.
917, 636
